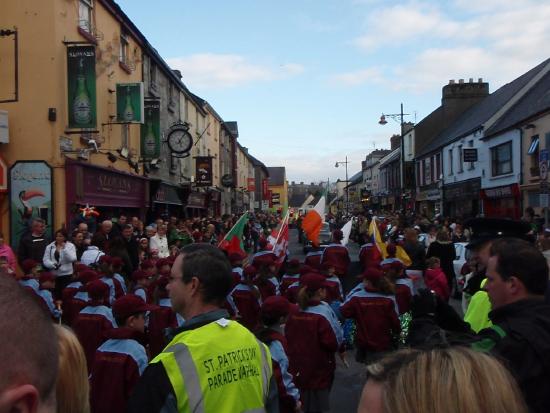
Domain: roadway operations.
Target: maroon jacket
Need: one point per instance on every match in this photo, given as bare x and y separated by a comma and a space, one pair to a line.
291, 292
248, 306
90, 326
266, 287
333, 289
369, 256
339, 256
313, 259
437, 282
287, 280
73, 306
118, 365
312, 344
159, 320
404, 297
376, 318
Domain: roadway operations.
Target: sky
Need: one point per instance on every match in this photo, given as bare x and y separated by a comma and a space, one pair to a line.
307, 80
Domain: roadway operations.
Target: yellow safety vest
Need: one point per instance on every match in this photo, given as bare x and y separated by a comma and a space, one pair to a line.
219, 367
477, 314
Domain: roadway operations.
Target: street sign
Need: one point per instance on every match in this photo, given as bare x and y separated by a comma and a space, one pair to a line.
469, 155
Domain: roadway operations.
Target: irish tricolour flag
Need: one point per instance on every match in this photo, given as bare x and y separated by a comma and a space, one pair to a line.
313, 221
233, 240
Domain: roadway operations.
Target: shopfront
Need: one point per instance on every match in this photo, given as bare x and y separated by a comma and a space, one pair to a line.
167, 200
110, 191
502, 201
428, 202
461, 200
196, 204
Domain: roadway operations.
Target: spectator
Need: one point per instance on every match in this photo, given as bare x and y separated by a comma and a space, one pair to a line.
28, 352
78, 242
102, 238
159, 242
6, 251
436, 280
72, 388
118, 249
414, 249
33, 244
131, 245
91, 256
83, 228
444, 249
59, 257
412, 381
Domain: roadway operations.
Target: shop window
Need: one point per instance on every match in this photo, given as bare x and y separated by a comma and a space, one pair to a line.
85, 14
450, 161
501, 159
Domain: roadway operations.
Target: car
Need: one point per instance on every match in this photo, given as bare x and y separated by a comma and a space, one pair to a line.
461, 256
325, 237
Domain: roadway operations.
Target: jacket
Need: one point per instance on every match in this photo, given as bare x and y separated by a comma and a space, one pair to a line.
334, 289
520, 336
160, 319
445, 251
63, 264
376, 317
74, 305
90, 326
313, 259
416, 253
403, 294
91, 256
268, 287
287, 280
339, 255
160, 244
115, 288
120, 360
248, 305
32, 247
369, 256
314, 336
437, 282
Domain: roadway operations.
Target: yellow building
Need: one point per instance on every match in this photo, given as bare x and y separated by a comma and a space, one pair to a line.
62, 106
278, 186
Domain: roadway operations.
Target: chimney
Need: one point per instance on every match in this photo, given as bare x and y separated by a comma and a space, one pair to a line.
460, 81
461, 91
471, 80
451, 82
177, 73
395, 142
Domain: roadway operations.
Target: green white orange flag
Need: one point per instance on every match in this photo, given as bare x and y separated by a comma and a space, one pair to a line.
313, 221
233, 240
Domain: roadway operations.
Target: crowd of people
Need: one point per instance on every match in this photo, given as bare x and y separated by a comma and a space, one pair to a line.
158, 318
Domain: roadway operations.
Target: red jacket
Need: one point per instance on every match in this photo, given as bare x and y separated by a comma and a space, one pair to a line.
291, 292
313, 259
73, 306
376, 319
369, 256
313, 339
267, 287
436, 281
159, 320
287, 280
339, 255
333, 289
90, 326
248, 306
118, 365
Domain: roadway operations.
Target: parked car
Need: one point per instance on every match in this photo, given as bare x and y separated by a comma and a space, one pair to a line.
325, 236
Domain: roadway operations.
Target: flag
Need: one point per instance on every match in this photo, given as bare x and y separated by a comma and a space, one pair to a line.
402, 255
307, 201
233, 240
376, 239
281, 243
313, 221
346, 231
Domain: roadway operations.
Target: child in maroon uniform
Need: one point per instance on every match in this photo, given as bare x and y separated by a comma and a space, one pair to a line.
246, 299
333, 285
107, 276
266, 281
337, 253
403, 285
436, 280
291, 276
120, 361
142, 283
375, 312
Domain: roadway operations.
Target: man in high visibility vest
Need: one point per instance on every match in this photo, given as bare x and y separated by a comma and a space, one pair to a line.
212, 364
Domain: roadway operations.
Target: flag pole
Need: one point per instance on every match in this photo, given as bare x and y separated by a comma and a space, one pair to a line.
228, 232
279, 233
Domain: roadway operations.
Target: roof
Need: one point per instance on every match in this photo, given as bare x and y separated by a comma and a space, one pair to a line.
277, 175
356, 179
535, 102
258, 163
474, 118
393, 156
233, 128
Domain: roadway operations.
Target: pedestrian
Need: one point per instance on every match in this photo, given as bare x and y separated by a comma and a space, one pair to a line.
369, 256
236, 259
337, 253
517, 278
444, 249
116, 265
28, 352
274, 313
118, 248
314, 337
121, 359
77, 239
102, 238
47, 285
403, 285
375, 311
107, 276
199, 283
72, 387
59, 257
91, 255
444, 380
415, 250
159, 242
436, 279
6, 251
246, 298
132, 247
334, 290
33, 244
314, 257
72, 305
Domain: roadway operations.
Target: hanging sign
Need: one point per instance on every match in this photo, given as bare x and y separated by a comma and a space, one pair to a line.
203, 171
81, 87
129, 102
150, 130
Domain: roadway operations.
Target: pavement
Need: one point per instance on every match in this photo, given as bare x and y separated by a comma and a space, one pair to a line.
349, 380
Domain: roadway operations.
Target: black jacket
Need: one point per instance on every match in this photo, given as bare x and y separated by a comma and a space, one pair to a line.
521, 340
416, 253
32, 247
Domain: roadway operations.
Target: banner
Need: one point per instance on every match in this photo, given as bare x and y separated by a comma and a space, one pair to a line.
129, 102
30, 184
150, 130
251, 185
81, 87
203, 171
265, 189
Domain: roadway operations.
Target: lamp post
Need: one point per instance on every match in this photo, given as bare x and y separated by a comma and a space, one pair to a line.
383, 121
336, 165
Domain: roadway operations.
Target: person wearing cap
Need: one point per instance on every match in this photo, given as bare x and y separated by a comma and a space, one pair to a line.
375, 311
94, 320
293, 289
265, 248
337, 253
314, 257
47, 284
274, 314
107, 276
517, 277
484, 231
266, 280
236, 259
391, 250
314, 336
142, 282
212, 364
117, 264
31, 272
334, 291
121, 359
73, 303
291, 275
70, 290
436, 279
369, 256
246, 299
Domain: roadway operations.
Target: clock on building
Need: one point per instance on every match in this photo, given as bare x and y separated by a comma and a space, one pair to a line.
179, 139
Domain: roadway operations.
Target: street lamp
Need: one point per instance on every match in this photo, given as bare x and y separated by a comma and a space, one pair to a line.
336, 165
398, 117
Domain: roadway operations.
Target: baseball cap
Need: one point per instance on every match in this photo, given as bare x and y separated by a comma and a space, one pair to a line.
275, 307
105, 259
162, 262
28, 264
87, 276
116, 262
313, 281
236, 257
264, 260
129, 305
147, 264
249, 271
97, 289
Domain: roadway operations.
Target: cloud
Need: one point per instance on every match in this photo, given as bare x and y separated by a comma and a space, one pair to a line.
358, 77
215, 71
308, 23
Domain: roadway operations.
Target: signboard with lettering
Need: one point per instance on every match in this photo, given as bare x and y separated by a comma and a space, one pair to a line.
265, 188
469, 155
203, 171
81, 87
251, 184
275, 198
30, 190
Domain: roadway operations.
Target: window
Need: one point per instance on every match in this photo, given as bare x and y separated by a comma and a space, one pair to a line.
450, 161
124, 46
427, 171
501, 159
471, 145
85, 8
460, 168
437, 167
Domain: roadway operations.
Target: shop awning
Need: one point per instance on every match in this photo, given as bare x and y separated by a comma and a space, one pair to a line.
166, 193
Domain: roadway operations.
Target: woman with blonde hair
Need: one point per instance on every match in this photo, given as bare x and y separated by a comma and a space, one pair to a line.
451, 380
72, 388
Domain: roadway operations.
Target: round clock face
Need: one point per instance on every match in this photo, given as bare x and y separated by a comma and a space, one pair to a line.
179, 140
